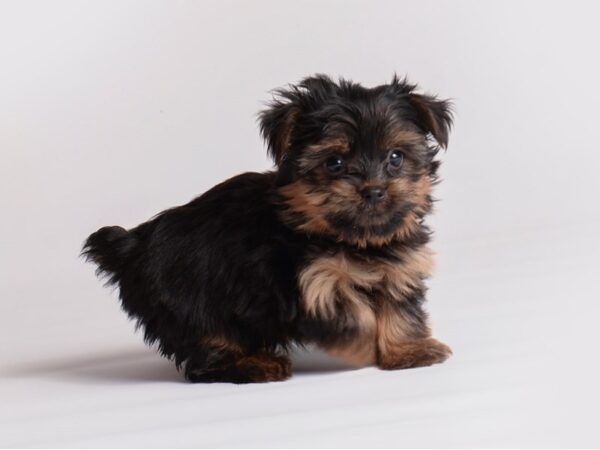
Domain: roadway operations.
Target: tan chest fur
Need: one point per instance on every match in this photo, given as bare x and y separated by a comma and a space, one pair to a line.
359, 286
341, 278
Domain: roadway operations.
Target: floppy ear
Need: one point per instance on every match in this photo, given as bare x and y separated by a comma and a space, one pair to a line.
435, 116
277, 123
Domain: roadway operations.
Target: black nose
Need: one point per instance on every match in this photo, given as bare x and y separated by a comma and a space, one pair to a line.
373, 194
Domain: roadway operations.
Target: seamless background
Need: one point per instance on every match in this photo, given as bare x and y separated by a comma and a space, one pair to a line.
111, 111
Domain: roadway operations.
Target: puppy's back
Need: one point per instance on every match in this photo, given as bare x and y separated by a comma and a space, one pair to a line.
194, 269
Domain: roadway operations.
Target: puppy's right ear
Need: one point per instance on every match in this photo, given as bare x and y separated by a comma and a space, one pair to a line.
277, 122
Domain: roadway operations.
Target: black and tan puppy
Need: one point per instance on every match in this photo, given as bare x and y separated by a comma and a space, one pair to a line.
330, 248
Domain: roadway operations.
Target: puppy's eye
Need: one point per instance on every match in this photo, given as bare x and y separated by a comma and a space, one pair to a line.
396, 157
335, 165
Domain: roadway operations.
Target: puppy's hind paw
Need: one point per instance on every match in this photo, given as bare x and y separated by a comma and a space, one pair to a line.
258, 368
264, 367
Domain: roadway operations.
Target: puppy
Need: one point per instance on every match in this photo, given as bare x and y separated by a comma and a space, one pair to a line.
330, 248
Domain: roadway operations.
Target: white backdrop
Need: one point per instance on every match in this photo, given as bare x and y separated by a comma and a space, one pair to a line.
111, 111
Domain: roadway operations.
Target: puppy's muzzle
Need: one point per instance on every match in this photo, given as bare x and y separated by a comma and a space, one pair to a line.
373, 194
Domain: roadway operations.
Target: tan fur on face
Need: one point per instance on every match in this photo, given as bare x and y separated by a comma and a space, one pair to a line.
313, 155
418, 194
343, 192
408, 226
338, 145
312, 206
399, 138
300, 199
414, 192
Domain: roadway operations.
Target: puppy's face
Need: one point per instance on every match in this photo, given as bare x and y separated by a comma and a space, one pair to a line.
355, 164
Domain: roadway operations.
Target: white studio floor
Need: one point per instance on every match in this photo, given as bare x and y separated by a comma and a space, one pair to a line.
520, 315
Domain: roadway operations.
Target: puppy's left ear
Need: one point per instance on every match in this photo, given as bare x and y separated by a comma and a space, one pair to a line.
434, 116
277, 123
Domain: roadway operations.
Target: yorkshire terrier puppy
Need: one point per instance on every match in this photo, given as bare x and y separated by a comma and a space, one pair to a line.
330, 248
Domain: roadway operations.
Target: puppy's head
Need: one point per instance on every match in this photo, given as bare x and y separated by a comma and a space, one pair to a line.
356, 164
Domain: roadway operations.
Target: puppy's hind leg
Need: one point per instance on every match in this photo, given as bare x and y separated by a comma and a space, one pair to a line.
218, 361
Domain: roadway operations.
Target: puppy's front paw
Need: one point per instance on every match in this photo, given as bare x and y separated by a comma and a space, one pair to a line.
417, 353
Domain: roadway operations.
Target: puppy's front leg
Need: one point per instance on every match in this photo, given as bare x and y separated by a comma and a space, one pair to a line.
404, 339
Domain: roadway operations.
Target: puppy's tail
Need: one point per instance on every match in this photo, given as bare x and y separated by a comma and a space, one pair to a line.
109, 248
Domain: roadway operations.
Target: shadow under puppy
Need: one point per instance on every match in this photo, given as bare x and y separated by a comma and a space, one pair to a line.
329, 248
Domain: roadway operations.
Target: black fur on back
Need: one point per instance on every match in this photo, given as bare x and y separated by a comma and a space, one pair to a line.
221, 265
